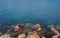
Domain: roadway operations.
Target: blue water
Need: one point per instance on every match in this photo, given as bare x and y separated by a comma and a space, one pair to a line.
34, 11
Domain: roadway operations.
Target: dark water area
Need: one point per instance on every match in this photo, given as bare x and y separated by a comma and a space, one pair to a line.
32, 11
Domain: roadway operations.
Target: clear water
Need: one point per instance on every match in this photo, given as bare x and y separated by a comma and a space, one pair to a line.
34, 11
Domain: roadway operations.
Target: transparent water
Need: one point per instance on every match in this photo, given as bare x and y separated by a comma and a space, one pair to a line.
34, 11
